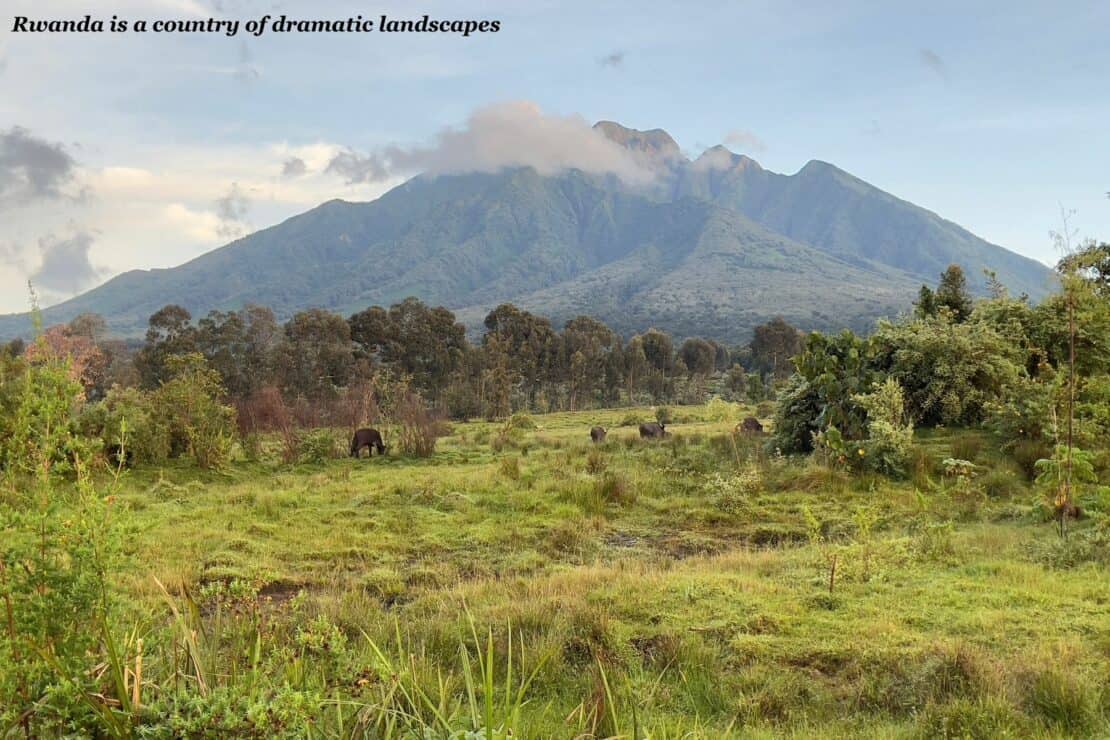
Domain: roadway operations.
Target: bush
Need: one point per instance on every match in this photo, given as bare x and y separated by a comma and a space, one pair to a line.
663, 415
631, 420
319, 445
721, 410
127, 419
521, 421
889, 434
417, 429
188, 404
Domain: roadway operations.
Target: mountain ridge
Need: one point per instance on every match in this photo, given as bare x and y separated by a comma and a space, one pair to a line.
714, 246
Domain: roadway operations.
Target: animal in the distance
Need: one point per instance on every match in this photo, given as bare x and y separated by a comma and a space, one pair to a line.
368, 438
597, 434
653, 430
749, 425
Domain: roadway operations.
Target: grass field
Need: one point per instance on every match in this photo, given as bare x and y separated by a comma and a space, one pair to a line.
693, 587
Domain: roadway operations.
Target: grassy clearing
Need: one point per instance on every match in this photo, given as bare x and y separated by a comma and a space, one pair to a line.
671, 589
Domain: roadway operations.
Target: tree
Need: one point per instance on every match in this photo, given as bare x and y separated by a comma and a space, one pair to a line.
635, 367
425, 343
658, 349
84, 361
950, 372
316, 355
735, 382
772, 346
831, 372
699, 356
586, 348
1091, 263
169, 334
926, 304
531, 344
952, 293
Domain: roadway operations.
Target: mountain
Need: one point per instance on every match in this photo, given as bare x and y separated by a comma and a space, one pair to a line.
713, 247
840, 214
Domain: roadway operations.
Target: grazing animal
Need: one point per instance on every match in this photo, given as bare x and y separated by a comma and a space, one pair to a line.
597, 434
749, 425
368, 438
653, 430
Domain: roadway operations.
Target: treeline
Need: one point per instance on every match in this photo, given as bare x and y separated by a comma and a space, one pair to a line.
521, 363
1038, 375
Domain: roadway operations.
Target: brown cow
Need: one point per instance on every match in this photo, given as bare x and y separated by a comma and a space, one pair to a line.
749, 425
653, 430
368, 438
597, 434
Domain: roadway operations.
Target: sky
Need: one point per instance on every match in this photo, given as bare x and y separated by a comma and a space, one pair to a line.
139, 151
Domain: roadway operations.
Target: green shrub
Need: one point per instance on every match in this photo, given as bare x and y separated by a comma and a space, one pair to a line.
889, 434
720, 410
127, 418
188, 405
630, 420
319, 445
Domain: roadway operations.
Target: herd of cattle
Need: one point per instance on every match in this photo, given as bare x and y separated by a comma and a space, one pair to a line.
371, 439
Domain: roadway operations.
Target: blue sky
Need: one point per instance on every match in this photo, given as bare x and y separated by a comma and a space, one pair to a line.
991, 114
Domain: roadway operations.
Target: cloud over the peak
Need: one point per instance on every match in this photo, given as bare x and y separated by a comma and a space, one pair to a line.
505, 135
745, 141
31, 167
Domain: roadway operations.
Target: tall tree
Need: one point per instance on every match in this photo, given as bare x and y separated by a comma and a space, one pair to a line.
316, 356
169, 334
699, 356
773, 345
531, 343
952, 293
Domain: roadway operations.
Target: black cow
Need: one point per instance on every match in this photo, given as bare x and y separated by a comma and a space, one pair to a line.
749, 425
597, 434
368, 438
653, 430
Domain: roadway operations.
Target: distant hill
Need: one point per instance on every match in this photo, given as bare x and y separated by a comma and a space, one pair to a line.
714, 247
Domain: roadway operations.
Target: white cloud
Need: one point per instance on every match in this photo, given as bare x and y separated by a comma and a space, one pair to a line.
511, 134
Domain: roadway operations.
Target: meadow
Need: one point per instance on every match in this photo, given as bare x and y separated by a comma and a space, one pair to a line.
525, 582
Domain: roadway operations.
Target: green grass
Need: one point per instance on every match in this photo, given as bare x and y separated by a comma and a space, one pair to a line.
668, 589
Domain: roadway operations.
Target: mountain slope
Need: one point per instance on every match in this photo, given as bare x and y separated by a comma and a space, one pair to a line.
830, 209
713, 247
